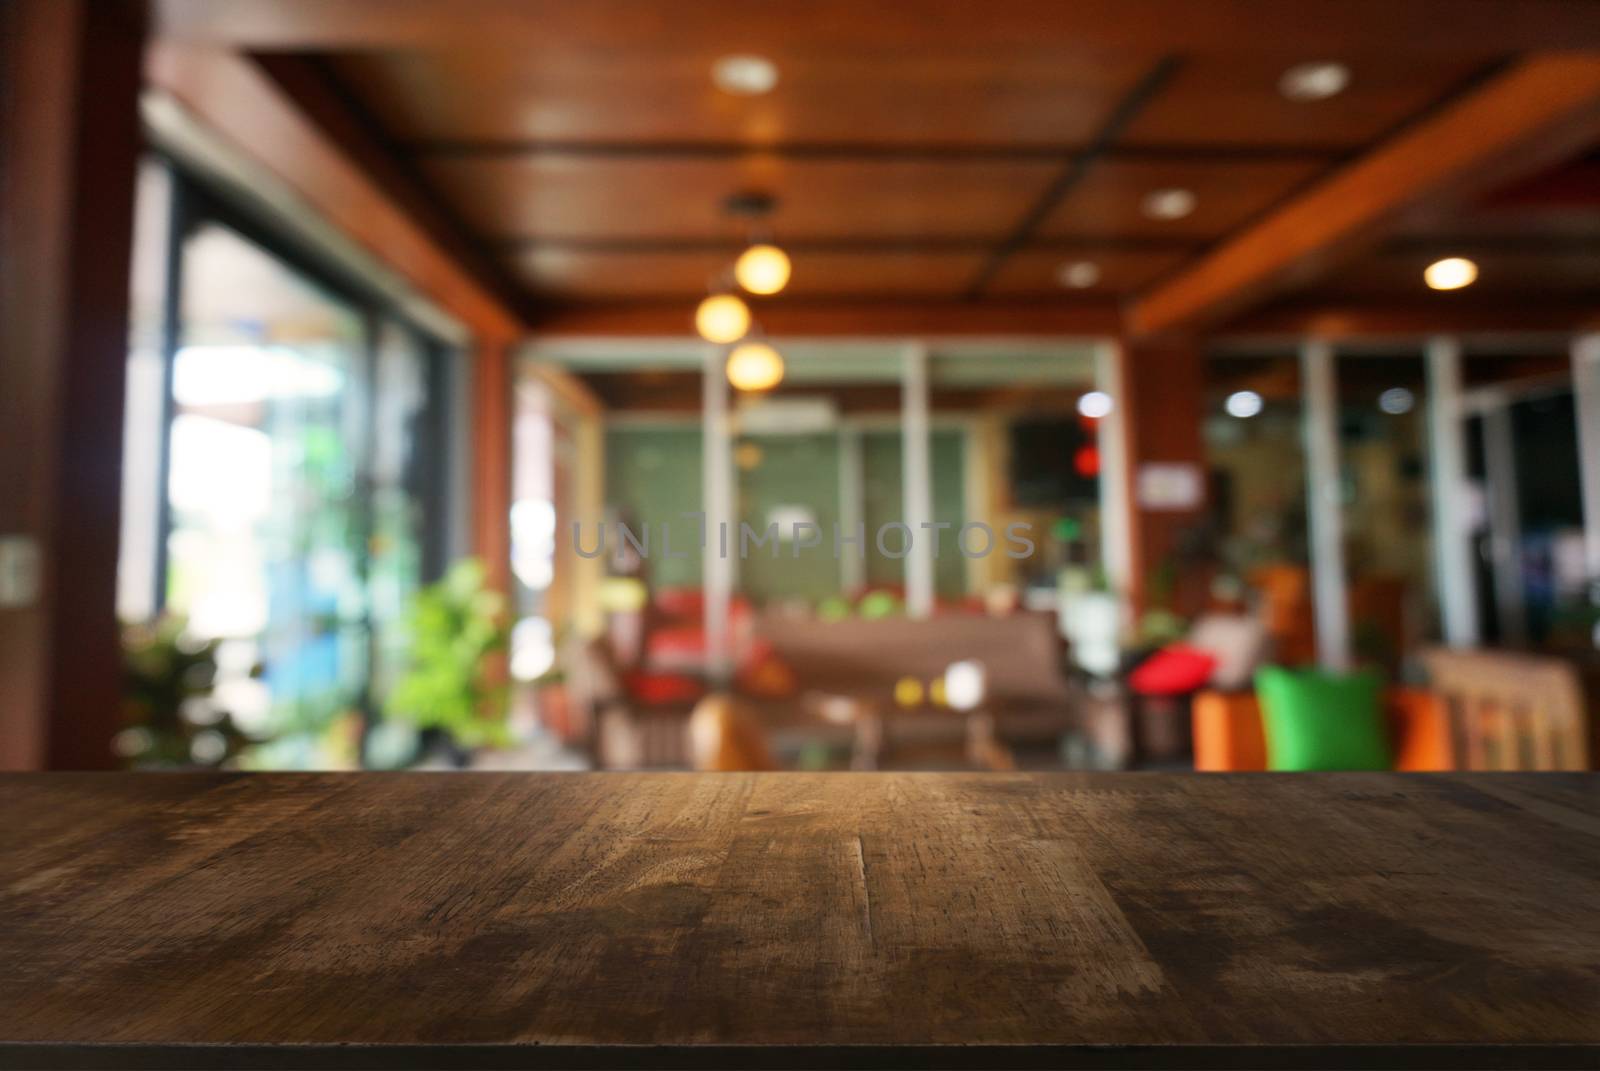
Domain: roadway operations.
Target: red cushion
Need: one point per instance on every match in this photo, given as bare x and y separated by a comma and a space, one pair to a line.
1174, 670
660, 689
678, 640
681, 602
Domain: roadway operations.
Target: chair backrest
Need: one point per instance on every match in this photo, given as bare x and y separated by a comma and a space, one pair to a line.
1285, 591
724, 737
1239, 643
1512, 711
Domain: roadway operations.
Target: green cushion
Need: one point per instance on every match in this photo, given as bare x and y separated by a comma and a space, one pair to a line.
1322, 721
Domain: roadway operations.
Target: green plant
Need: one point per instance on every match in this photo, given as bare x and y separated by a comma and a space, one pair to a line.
457, 628
172, 717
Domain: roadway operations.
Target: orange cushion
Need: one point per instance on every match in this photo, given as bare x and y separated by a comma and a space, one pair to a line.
1421, 724
1227, 732
1228, 736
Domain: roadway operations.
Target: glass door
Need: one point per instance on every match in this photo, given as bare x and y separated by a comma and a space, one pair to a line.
267, 520
1531, 574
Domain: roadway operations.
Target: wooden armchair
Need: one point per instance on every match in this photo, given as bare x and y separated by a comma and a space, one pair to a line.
1228, 735
1512, 711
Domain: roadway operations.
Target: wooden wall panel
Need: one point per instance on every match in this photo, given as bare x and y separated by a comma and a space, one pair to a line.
1164, 389
70, 144
491, 455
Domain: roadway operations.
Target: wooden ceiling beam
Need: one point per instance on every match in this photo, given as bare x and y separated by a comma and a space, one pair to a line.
238, 99
1079, 244
1442, 314
855, 319
1311, 30
319, 96
1539, 111
1072, 173
651, 150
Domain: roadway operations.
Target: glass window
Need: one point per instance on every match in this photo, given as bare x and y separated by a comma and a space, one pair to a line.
1388, 546
408, 453
284, 473
145, 411
543, 559
264, 543
1255, 451
1008, 447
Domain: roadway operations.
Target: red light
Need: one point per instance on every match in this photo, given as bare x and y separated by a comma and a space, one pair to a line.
1087, 461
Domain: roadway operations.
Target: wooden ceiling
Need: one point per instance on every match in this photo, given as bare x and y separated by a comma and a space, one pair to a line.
966, 155
600, 177
1537, 240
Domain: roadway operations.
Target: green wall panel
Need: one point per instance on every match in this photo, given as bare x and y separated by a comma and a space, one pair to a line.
653, 476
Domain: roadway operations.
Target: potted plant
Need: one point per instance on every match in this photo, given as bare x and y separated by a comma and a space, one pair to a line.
173, 719
454, 683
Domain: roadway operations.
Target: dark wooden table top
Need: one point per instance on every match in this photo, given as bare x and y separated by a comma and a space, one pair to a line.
797, 920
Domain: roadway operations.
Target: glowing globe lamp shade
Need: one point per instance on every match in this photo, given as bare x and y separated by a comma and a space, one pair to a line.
1451, 273
754, 366
762, 269
722, 318
965, 685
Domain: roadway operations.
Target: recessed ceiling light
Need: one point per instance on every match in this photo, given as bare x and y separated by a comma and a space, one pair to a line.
1396, 401
745, 76
1243, 404
1078, 274
1095, 404
1169, 204
1451, 273
1306, 82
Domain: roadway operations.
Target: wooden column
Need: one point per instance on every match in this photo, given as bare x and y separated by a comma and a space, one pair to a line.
1330, 590
719, 495
1116, 488
1447, 480
1586, 392
1163, 388
69, 83
917, 480
491, 455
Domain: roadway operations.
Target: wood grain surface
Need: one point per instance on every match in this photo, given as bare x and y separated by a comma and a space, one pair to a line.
906, 920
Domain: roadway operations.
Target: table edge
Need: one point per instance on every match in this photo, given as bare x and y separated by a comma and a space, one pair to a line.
56, 1056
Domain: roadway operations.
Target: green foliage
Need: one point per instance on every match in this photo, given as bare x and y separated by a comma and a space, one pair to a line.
172, 718
875, 605
833, 608
1157, 627
456, 628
